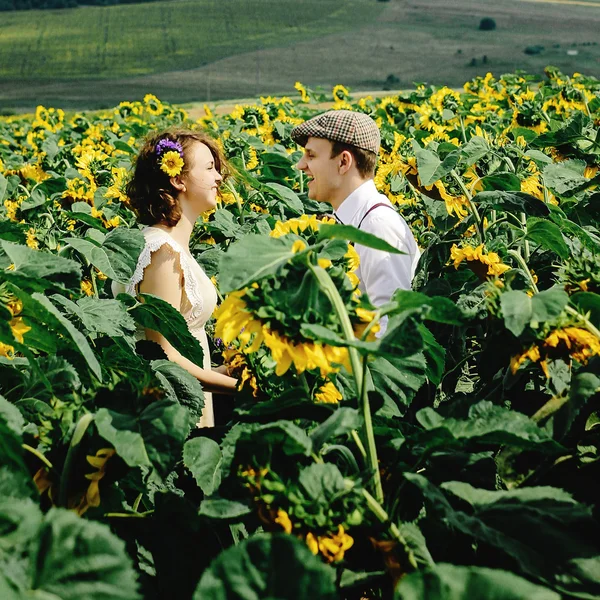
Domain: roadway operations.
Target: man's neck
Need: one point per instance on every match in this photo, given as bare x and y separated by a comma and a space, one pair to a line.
346, 190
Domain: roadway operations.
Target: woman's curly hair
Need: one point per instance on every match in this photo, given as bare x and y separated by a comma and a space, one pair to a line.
150, 192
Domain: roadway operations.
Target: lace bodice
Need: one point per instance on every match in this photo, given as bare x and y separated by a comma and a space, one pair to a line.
200, 297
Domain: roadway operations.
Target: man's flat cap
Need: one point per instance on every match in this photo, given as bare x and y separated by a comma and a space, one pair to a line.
346, 126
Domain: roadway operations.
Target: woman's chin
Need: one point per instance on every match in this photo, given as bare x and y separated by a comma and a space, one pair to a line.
211, 205
208, 204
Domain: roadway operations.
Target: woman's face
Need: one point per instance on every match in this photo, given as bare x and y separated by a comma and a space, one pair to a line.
202, 180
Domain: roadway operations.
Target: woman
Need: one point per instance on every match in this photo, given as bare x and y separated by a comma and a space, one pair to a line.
176, 178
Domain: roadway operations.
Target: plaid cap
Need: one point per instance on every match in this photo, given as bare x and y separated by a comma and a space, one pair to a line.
346, 126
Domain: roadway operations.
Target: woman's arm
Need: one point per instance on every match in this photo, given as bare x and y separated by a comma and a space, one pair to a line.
163, 278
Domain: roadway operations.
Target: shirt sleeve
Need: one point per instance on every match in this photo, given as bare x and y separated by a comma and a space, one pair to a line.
382, 273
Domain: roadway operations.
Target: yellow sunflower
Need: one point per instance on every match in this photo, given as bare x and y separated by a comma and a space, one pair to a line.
578, 342
491, 260
328, 394
303, 93
171, 163
299, 225
332, 547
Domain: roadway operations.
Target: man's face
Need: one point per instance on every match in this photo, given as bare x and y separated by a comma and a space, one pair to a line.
321, 169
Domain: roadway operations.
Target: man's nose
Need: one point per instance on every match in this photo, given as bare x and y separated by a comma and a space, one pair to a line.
301, 164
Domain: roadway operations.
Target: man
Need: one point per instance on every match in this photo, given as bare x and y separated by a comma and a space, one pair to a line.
340, 154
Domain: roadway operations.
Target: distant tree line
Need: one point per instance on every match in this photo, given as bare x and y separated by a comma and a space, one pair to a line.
6, 5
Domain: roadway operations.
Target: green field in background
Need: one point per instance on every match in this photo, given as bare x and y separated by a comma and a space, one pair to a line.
206, 50
141, 39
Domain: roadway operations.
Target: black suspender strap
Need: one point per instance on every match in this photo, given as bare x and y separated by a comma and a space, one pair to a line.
373, 208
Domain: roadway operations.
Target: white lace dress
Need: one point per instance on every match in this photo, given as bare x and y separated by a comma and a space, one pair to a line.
197, 303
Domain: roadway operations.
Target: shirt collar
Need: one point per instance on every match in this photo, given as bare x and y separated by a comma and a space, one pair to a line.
350, 209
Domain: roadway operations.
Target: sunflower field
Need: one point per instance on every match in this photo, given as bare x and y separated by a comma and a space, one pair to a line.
454, 457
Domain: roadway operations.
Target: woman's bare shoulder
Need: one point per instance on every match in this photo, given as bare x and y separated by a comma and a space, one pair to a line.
163, 275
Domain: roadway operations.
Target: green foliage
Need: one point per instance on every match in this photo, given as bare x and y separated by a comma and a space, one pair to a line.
321, 494
356, 236
450, 582
181, 387
202, 456
33, 556
340, 422
277, 567
548, 537
487, 24
152, 438
14, 481
253, 257
39, 271
33, 545
116, 256
220, 509
456, 453
485, 425
431, 168
156, 314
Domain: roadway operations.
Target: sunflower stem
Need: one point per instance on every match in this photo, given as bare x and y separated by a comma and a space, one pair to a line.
548, 409
38, 454
332, 293
359, 444
496, 221
588, 324
305, 384
132, 515
462, 129
381, 312
471, 205
316, 458
525, 268
585, 102
80, 429
93, 278
238, 200
380, 513
526, 253
136, 504
376, 318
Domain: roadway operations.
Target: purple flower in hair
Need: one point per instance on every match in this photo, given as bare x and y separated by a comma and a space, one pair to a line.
166, 145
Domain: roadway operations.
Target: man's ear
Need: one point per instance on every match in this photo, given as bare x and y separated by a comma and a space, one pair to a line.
346, 161
177, 183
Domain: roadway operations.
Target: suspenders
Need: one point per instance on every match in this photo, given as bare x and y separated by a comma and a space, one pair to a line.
365, 215
373, 208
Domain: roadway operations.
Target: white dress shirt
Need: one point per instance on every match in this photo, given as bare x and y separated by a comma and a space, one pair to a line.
380, 273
